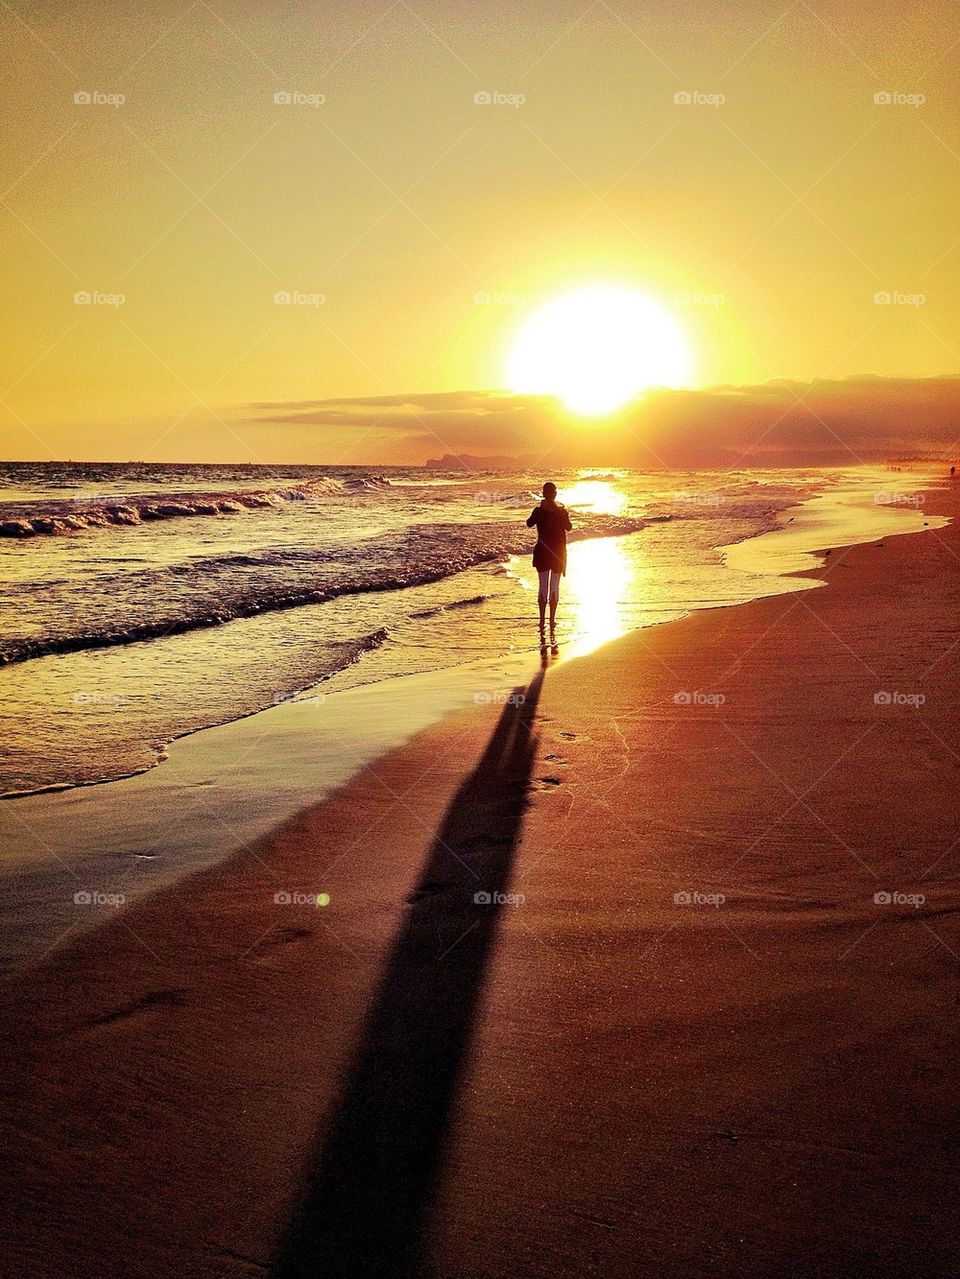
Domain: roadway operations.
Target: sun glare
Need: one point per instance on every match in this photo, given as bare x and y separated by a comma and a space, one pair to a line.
596, 595
598, 347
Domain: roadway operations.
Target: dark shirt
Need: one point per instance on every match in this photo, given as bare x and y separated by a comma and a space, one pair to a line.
552, 522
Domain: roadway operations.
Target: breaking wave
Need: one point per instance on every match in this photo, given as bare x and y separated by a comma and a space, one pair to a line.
208, 591
73, 515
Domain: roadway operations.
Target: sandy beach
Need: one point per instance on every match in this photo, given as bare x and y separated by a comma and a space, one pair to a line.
368, 909
649, 970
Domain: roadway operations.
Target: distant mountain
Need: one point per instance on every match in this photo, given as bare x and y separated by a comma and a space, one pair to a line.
470, 462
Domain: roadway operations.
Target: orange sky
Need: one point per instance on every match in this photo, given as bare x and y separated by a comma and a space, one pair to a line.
415, 227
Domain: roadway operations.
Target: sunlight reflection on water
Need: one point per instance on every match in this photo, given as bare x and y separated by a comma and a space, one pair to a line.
602, 496
606, 578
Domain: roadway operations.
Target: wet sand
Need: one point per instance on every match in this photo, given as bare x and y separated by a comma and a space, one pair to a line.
651, 972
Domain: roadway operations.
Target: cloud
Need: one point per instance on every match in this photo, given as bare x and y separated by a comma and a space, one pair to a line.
404, 407
779, 423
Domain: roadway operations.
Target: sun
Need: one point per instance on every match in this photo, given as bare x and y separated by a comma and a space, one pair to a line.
598, 347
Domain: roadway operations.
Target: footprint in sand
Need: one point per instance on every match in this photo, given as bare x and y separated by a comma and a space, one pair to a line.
172, 998
423, 891
547, 783
556, 759
279, 937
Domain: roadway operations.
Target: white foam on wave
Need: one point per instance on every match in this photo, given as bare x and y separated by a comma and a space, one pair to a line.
73, 515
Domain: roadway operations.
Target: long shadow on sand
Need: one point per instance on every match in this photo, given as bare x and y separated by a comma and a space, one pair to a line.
366, 1203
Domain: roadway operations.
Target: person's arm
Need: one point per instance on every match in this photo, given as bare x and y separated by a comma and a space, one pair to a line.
534, 514
566, 521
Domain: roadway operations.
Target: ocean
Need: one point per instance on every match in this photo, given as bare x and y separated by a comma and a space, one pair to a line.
143, 602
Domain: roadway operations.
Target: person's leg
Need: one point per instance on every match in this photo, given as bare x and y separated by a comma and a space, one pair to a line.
544, 575
554, 599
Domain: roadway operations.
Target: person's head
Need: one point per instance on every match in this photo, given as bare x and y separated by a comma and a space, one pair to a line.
549, 491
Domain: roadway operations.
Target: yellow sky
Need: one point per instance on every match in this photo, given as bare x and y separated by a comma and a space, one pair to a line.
414, 227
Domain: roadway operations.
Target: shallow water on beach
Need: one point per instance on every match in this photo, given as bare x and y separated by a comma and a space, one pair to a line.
145, 603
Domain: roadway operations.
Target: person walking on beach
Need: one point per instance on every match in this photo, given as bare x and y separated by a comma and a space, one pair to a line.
552, 522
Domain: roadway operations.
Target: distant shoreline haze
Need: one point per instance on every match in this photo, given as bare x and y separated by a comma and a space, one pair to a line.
865, 419
778, 423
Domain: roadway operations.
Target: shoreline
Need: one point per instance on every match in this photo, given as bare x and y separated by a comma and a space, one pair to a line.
341, 678
101, 837
636, 1083
147, 743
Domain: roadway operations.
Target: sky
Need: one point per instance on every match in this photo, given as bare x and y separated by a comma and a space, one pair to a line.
294, 232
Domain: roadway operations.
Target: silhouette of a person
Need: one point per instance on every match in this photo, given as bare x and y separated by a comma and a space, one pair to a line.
552, 522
